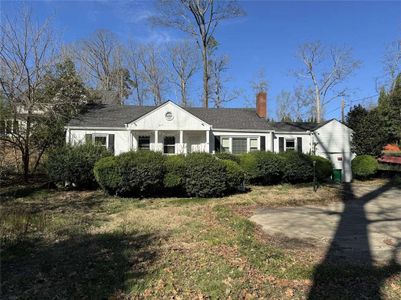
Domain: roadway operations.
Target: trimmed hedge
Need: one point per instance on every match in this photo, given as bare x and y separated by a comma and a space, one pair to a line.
235, 175
175, 172
364, 166
107, 174
262, 167
324, 167
141, 172
74, 164
228, 156
205, 175
298, 167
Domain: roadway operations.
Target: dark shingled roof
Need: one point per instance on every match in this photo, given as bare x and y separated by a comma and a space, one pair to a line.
296, 126
220, 118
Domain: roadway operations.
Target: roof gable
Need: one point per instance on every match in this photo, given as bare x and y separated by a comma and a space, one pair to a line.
168, 116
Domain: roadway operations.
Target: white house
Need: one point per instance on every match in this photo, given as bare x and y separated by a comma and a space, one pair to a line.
172, 129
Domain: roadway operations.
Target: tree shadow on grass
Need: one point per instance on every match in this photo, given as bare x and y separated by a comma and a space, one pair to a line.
95, 266
348, 270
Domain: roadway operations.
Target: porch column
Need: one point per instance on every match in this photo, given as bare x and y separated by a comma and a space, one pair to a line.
207, 141
156, 140
182, 150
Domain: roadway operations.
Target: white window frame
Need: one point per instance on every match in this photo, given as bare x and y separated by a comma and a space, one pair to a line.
170, 145
285, 144
150, 141
95, 135
257, 144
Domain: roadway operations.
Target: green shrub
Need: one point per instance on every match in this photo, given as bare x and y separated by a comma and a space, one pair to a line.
298, 167
175, 173
74, 164
235, 175
262, 167
107, 174
228, 156
141, 172
205, 175
324, 167
364, 166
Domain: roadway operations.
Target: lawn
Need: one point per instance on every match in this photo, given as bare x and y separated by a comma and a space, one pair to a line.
80, 244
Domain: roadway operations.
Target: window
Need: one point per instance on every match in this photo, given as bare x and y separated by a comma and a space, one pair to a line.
225, 145
239, 145
144, 142
100, 140
169, 145
253, 145
290, 145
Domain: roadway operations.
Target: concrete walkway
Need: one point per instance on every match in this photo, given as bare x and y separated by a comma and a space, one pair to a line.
365, 226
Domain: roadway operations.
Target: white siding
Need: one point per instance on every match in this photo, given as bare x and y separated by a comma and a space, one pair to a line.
333, 141
121, 138
306, 140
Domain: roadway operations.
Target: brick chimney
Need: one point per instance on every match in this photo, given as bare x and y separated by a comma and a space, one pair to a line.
261, 105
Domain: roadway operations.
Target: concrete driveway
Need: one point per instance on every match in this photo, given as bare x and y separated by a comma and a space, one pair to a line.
365, 226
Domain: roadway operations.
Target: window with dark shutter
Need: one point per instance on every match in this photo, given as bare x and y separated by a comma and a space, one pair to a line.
217, 145
111, 143
88, 139
280, 144
299, 144
262, 143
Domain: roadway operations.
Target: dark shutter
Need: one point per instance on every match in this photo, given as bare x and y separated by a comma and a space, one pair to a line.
111, 143
262, 143
217, 145
280, 144
88, 139
299, 144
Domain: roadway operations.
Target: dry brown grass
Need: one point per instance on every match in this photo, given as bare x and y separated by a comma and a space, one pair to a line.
182, 248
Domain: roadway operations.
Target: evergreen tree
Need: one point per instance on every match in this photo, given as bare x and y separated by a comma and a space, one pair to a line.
390, 111
369, 134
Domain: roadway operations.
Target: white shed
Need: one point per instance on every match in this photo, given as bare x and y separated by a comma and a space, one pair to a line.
332, 140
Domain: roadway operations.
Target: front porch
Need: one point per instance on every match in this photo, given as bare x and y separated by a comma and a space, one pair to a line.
171, 141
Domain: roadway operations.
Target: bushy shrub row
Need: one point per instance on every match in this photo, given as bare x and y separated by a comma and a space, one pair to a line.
364, 166
149, 173
197, 174
74, 164
270, 168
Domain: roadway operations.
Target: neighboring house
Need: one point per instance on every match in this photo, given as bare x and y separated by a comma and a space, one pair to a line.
172, 129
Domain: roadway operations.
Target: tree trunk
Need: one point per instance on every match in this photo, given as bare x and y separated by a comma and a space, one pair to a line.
183, 94
205, 77
318, 110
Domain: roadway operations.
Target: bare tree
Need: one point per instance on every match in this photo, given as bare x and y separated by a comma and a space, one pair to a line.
184, 62
326, 69
392, 62
283, 106
153, 71
259, 82
134, 66
199, 18
26, 56
219, 94
101, 62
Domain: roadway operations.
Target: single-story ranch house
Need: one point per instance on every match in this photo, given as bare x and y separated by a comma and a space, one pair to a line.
172, 129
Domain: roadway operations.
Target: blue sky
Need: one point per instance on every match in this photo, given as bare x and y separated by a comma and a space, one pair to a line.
267, 37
